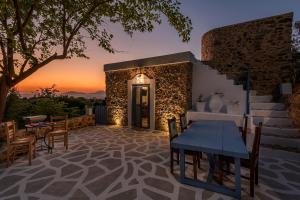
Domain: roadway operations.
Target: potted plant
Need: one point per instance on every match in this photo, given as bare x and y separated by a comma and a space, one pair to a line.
200, 105
216, 102
233, 107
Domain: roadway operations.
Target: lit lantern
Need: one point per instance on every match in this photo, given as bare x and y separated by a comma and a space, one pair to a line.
140, 79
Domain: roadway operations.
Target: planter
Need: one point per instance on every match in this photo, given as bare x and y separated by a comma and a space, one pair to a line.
215, 103
200, 106
232, 108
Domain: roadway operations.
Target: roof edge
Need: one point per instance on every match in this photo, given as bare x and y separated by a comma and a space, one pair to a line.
186, 56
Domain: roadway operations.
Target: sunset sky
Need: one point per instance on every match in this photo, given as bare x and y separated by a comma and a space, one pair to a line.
87, 74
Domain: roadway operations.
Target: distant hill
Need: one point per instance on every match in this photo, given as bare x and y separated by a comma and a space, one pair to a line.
98, 95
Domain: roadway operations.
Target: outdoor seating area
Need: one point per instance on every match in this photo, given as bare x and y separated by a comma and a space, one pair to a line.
112, 162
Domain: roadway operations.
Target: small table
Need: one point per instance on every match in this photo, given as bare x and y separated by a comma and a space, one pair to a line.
217, 138
36, 127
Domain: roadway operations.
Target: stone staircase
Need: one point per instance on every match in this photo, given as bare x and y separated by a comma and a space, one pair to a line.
278, 130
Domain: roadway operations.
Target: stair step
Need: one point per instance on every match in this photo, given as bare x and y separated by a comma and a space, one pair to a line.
253, 92
273, 122
293, 143
267, 106
280, 132
261, 99
269, 113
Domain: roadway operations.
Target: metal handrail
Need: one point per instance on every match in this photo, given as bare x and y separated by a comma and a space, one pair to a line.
248, 91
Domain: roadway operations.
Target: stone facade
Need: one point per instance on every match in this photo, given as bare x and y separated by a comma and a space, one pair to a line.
264, 45
173, 92
294, 105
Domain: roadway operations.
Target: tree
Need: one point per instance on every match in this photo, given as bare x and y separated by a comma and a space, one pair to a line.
34, 33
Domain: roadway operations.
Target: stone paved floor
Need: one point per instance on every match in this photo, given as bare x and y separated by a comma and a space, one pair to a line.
121, 163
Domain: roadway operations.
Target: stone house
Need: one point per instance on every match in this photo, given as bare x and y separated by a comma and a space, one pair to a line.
144, 93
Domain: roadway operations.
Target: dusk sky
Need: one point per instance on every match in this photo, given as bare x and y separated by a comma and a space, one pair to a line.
88, 76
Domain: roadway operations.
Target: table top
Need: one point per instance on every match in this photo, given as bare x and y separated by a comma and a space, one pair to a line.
213, 136
38, 125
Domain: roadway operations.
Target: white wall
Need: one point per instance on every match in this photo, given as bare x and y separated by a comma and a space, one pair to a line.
207, 81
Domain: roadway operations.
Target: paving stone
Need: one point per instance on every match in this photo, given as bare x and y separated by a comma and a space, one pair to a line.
268, 173
159, 184
129, 171
207, 194
133, 182
147, 167
111, 163
10, 192
117, 154
186, 194
98, 186
275, 167
270, 160
281, 195
291, 167
59, 188
134, 154
35, 186
79, 195
75, 154
96, 154
75, 176
292, 176
88, 162
69, 169
56, 163
262, 196
154, 158
154, 195
274, 184
8, 181
128, 195
77, 159
93, 172
161, 172
116, 187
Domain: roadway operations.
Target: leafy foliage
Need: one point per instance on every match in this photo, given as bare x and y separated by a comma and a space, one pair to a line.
33, 33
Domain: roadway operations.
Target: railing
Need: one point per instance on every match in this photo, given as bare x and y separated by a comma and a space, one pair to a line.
248, 87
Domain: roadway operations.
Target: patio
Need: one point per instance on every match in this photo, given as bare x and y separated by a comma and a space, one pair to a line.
109, 162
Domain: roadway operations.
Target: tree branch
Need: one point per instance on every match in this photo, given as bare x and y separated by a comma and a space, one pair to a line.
19, 25
37, 66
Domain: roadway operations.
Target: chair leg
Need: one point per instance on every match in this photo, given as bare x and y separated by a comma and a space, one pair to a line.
66, 141
221, 175
256, 174
29, 153
49, 145
171, 161
195, 165
252, 181
198, 159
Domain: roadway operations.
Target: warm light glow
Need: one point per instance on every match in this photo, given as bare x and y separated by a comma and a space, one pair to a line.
140, 78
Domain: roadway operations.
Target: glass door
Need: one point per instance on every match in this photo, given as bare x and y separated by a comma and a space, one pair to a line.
141, 106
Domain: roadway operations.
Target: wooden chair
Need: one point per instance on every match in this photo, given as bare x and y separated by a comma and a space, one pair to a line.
244, 128
17, 144
173, 134
252, 163
183, 126
59, 130
183, 122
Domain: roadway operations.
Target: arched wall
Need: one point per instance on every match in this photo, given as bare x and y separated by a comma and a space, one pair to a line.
264, 45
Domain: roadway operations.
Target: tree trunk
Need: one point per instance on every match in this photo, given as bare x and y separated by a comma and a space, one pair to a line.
4, 88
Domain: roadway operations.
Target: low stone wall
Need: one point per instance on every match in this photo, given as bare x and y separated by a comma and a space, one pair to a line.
264, 45
294, 105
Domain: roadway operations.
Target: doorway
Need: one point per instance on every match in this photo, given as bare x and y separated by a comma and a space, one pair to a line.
141, 106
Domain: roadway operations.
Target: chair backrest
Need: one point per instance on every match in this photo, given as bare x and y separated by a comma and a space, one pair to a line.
59, 122
10, 131
172, 128
256, 144
183, 122
245, 128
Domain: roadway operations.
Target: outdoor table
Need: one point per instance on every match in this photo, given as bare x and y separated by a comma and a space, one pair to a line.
37, 127
217, 138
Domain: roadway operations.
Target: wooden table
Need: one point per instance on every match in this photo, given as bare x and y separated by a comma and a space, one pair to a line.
217, 138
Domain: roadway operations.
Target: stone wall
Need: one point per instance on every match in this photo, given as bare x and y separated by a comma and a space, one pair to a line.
173, 92
264, 45
294, 105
